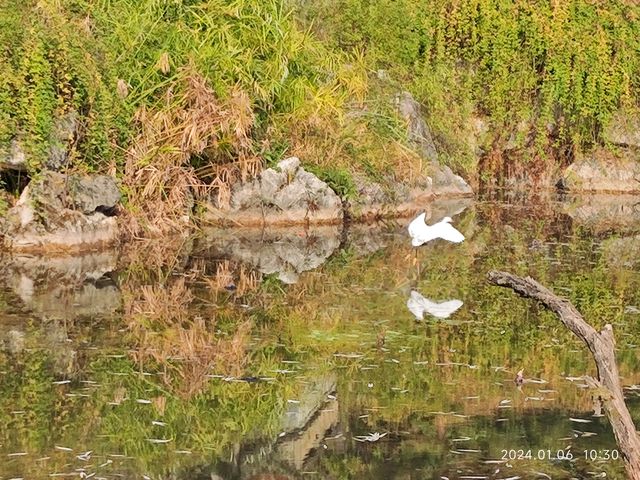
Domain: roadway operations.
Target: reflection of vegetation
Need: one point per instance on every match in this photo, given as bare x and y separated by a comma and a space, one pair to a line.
181, 332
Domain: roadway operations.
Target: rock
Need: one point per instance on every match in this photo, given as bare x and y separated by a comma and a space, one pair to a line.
393, 198
374, 201
447, 183
284, 195
418, 131
623, 129
65, 130
96, 193
59, 212
289, 165
603, 172
13, 158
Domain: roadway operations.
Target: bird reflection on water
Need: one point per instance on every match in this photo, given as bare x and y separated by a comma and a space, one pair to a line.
419, 305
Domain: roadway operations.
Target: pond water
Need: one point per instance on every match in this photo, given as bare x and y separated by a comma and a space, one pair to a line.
292, 353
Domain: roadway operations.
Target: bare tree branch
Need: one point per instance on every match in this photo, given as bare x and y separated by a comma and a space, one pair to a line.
602, 347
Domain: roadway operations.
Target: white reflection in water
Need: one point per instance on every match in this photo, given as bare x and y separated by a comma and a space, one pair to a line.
419, 305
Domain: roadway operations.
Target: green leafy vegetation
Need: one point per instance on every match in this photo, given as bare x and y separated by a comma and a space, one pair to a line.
190, 92
542, 74
51, 63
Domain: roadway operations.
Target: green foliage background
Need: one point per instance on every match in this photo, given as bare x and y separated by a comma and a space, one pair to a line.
562, 66
559, 68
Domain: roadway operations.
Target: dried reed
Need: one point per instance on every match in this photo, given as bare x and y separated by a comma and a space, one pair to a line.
191, 145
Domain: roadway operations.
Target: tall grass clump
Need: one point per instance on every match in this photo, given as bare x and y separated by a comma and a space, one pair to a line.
211, 83
545, 76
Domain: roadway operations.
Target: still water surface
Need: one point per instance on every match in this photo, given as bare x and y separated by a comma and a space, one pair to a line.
292, 354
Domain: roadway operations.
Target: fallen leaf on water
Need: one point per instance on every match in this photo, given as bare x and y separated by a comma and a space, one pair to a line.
579, 420
372, 437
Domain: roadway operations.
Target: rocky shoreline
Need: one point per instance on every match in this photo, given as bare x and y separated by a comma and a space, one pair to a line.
71, 213
59, 213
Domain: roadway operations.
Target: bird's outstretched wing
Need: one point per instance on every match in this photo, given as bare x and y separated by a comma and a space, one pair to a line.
448, 232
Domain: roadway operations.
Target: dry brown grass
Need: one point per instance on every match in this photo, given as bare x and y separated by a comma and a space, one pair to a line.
191, 145
160, 303
169, 333
243, 278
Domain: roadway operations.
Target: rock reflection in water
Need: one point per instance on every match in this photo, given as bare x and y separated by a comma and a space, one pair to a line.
64, 287
286, 252
308, 420
604, 212
289, 251
419, 305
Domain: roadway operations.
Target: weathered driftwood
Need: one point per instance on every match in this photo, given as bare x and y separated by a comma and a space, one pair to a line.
602, 347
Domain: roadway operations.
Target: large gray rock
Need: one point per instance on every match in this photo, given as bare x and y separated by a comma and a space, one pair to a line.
418, 131
375, 200
12, 157
604, 172
94, 193
447, 183
395, 198
623, 129
59, 212
284, 195
444, 181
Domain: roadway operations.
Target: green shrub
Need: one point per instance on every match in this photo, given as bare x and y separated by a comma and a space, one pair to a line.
107, 59
567, 64
340, 180
51, 64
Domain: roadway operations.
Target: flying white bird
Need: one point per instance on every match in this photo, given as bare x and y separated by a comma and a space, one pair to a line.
418, 305
422, 233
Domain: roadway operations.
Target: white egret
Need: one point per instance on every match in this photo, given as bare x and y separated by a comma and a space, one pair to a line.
418, 305
422, 233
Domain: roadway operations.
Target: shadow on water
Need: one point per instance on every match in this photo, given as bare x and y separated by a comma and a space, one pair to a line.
293, 353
